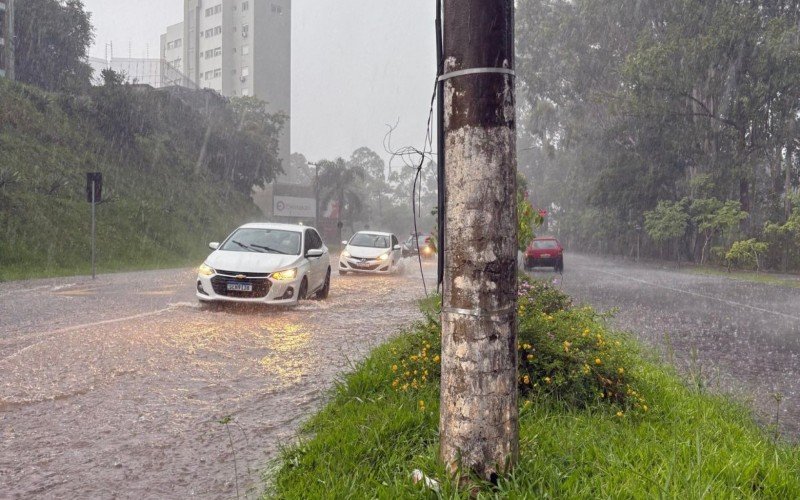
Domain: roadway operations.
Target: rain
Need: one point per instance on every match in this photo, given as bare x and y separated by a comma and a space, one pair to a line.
162, 337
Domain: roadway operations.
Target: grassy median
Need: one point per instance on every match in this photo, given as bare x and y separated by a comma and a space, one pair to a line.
599, 419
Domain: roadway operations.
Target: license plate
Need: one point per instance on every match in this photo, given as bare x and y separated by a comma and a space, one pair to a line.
240, 287
545, 255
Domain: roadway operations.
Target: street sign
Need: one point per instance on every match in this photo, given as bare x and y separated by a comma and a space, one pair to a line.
94, 182
290, 206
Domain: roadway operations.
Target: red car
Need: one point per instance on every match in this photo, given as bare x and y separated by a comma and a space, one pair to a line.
545, 252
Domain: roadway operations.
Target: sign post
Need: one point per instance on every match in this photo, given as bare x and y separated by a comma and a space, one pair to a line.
94, 194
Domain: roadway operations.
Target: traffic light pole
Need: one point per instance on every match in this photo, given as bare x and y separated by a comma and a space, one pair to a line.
94, 210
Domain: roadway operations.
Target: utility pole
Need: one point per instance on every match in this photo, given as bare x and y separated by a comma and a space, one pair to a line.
479, 418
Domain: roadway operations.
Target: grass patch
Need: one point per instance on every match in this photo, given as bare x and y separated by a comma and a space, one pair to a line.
753, 277
378, 427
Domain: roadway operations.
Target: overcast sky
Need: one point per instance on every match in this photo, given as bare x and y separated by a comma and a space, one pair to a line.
356, 65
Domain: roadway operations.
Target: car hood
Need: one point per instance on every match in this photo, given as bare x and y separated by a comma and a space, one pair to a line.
251, 262
366, 252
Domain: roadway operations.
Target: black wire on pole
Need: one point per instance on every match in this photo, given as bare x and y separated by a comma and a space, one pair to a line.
440, 163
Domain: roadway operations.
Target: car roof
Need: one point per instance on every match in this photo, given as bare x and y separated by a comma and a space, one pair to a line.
544, 238
271, 225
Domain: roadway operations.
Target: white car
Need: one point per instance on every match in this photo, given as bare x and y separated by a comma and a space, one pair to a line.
266, 263
370, 252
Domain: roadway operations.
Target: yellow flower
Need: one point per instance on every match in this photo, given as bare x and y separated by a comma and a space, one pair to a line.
394, 368
586, 332
394, 384
598, 361
526, 380
620, 414
567, 345
621, 371
530, 357
547, 380
644, 408
437, 359
421, 405
586, 369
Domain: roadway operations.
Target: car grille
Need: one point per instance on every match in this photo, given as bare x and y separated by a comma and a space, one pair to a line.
261, 287
249, 275
364, 264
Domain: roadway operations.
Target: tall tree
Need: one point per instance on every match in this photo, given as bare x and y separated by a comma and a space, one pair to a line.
339, 182
53, 38
479, 416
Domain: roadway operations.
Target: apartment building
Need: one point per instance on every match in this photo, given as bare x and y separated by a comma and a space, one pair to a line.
238, 48
6, 38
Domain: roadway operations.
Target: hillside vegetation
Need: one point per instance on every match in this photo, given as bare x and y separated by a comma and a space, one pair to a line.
178, 168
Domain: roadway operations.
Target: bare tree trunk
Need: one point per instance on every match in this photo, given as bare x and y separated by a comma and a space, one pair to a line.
479, 416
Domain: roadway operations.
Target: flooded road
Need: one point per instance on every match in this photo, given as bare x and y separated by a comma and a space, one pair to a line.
124, 388
728, 336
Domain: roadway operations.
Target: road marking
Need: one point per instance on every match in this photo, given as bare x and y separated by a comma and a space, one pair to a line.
696, 294
51, 334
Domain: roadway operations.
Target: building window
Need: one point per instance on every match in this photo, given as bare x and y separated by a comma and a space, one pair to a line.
217, 72
245, 92
245, 6
213, 31
213, 10
277, 9
245, 49
245, 71
245, 30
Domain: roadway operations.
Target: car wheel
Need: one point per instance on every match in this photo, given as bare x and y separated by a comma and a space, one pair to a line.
326, 288
303, 290
560, 266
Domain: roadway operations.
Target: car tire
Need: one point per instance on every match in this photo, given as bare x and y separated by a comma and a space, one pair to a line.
560, 266
301, 295
325, 291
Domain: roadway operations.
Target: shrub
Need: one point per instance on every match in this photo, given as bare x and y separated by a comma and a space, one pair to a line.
746, 254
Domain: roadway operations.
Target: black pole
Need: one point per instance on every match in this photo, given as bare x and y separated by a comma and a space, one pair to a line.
440, 143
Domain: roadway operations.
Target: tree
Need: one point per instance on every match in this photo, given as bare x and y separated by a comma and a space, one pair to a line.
667, 222
712, 217
53, 38
339, 182
478, 426
375, 182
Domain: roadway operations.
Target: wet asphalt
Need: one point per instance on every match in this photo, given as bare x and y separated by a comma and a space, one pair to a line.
725, 336
122, 387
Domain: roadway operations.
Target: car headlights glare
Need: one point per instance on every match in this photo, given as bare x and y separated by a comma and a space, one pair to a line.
384, 257
346, 254
206, 270
287, 275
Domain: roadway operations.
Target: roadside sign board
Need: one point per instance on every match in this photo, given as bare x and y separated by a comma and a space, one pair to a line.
94, 180
289, 206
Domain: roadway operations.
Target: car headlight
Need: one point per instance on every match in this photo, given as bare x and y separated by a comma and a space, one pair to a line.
206, 270
287, 275
384, 257
346, 254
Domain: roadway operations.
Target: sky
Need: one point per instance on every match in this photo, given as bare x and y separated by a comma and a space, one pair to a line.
356, 66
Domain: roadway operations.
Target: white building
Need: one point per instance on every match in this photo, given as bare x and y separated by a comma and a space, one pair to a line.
6, 37
238, 48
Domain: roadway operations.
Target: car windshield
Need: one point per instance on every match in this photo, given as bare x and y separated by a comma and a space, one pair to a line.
370, 240
264, 241
545, 244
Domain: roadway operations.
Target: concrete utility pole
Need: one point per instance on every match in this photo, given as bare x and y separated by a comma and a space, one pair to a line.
479, 416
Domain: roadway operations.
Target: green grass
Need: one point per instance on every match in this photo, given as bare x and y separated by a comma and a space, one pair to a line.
753, 277
367, 441
159, 210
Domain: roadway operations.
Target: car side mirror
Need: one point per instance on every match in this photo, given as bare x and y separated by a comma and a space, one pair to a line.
344, 243
398, 247
315, 253
214, 245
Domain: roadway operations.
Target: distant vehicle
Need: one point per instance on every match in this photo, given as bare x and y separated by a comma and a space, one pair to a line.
370, 252
545, 252
277, 264
420, 244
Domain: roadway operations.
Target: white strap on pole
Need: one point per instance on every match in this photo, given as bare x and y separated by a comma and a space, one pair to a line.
475, 71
